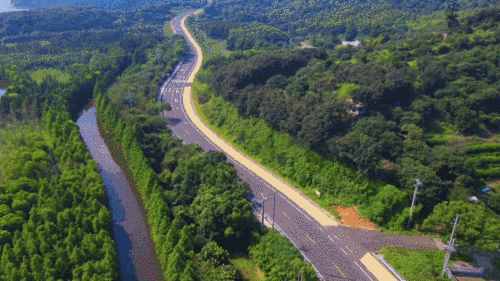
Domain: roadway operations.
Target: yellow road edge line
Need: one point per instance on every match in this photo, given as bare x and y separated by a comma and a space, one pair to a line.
294, 195
376, 268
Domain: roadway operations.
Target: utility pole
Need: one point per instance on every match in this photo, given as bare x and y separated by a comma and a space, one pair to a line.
262, 214
450, 248
418, 184
274, 207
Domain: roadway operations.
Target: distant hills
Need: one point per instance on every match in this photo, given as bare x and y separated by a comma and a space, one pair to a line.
304, 19
108, 4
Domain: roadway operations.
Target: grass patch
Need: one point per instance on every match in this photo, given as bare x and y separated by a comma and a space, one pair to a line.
431, 23
413, 65
416, 265
382, 56
443, 139
346, 90
484, 148
248, 270
41, 75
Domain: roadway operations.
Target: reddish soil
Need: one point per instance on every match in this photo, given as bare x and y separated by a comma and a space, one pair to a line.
349, 216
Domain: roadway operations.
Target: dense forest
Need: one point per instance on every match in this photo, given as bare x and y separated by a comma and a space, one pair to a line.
418, 99
422, 104
54, 220
55, 62
322, 23
198, 209
54, 224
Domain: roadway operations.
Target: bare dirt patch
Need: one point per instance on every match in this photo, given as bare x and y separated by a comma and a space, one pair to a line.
349, 216
495, 184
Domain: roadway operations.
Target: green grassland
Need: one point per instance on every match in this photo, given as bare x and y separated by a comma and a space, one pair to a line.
415, 265
248, 270
43, 74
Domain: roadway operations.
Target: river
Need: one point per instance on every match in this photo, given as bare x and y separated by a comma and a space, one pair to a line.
136, 255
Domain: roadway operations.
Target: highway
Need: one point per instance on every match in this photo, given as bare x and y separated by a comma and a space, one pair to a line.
334, 250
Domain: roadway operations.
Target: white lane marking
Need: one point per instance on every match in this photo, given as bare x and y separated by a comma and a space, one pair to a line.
271, 188
361, 268
293, 205
340, 270
331, 239
286, 215
343, 251
310, 239
349, 249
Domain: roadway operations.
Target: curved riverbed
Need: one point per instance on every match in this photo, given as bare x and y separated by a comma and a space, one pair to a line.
136, 255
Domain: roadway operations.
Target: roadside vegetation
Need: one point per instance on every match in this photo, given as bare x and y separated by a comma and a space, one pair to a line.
54, 223
247, 268
201, 220
358, 126
416, 265
202, 223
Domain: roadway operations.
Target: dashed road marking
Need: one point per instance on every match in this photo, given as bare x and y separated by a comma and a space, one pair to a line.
343, 251
340, 270
286, 215
331, 239
349, 249
310, 239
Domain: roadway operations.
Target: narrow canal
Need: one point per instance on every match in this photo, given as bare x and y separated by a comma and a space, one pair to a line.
137, 258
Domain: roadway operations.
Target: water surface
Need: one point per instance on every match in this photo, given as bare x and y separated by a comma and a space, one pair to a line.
136, 255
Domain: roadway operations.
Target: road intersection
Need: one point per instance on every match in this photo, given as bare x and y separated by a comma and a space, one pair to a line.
335, 251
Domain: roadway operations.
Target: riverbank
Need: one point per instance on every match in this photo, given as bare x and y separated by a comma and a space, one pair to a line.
136, 254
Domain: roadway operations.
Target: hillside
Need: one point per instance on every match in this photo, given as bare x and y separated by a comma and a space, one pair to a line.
418, 105
107, 4
321, 23
198, 215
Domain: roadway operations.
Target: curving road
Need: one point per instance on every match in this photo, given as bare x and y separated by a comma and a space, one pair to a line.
335, 251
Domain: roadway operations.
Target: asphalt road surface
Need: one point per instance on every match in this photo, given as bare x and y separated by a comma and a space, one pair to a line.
335, 251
